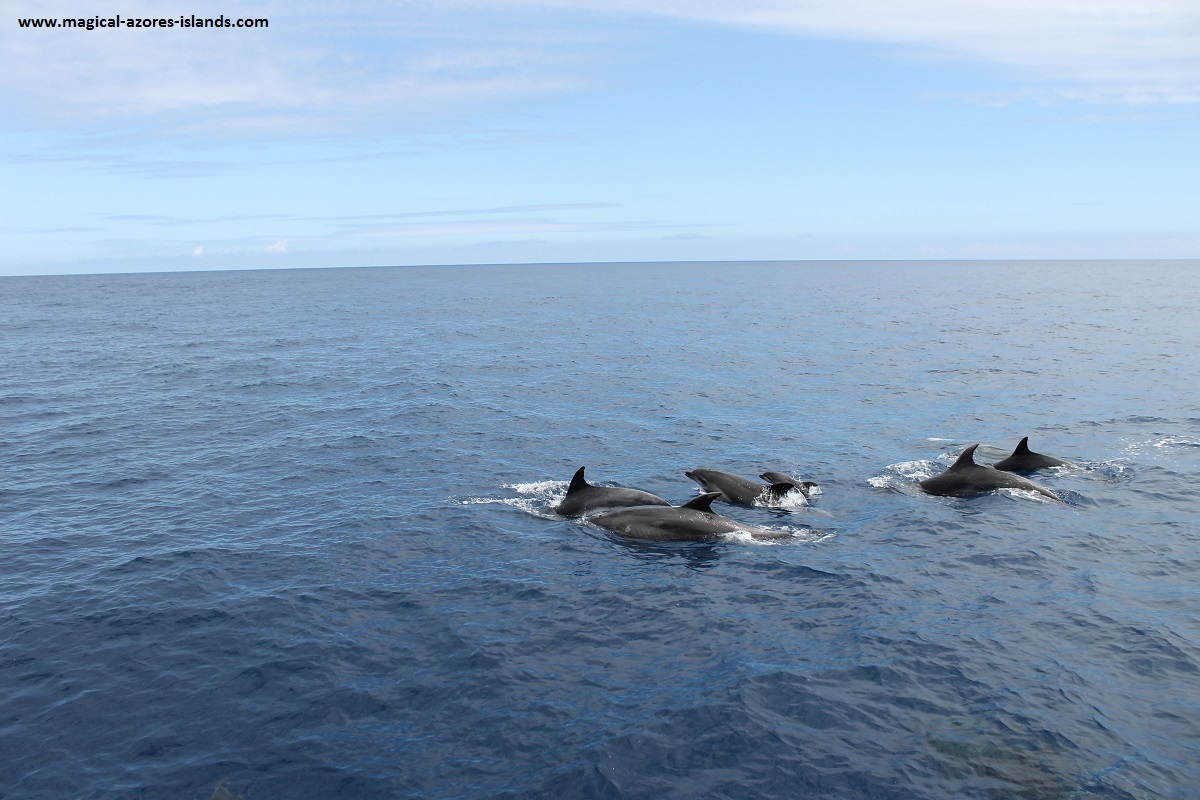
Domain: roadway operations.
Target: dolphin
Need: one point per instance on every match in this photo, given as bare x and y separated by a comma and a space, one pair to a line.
694, 521
584, 498
736, 489
965, 478
1025, 460
776, 478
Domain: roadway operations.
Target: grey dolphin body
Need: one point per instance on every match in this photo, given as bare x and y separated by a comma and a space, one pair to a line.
965, 478
736, 489
584, 498
694, 521
1025, 460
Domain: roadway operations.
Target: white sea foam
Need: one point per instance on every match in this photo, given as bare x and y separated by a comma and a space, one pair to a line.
1175, 441
527, 504
1170, 448
772, 537
900, 477
540, 488
538, 498
792, 500
914, 470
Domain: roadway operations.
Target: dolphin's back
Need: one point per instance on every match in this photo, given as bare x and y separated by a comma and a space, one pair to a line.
586, 498
1025, 460
690, 522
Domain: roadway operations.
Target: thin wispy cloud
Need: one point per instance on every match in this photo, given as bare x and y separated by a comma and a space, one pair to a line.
351, 220
1118, 51
320, 70
309, 74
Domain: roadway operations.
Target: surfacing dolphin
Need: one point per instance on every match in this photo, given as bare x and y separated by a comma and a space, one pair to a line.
777, 478
736, 489
1025, 460
965, 478
694, 521
584, 498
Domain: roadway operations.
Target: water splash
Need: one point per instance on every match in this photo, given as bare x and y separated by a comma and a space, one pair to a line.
903, 477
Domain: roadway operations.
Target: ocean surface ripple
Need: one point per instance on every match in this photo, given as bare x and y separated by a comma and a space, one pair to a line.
294, 531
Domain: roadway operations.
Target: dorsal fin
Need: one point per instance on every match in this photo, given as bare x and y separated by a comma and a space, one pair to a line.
578, 483
967, 459
1022, 446
702, 503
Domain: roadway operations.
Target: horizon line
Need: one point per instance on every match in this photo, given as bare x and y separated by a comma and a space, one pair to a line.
675, 262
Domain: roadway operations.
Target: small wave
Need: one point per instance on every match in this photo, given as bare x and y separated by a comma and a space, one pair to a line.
1075, 499
1116, 469
1162, 445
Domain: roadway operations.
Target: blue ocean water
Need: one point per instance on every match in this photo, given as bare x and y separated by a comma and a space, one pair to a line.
293, 530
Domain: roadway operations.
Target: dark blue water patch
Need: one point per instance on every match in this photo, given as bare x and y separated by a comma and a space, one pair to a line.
262, 528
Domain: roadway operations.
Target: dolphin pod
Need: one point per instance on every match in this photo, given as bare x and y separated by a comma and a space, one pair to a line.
635, 514
965, 478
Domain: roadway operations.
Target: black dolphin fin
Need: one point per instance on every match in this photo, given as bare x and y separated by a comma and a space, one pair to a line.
702, 503
780, 489
967, 459
578, 483
1022, 447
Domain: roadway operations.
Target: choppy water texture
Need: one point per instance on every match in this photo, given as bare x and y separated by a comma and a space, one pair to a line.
293, 531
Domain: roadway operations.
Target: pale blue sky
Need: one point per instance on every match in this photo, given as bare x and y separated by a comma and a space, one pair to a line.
499, 131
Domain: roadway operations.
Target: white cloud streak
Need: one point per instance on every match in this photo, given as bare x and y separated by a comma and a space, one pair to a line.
1118, 51
311, 73
336, 69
